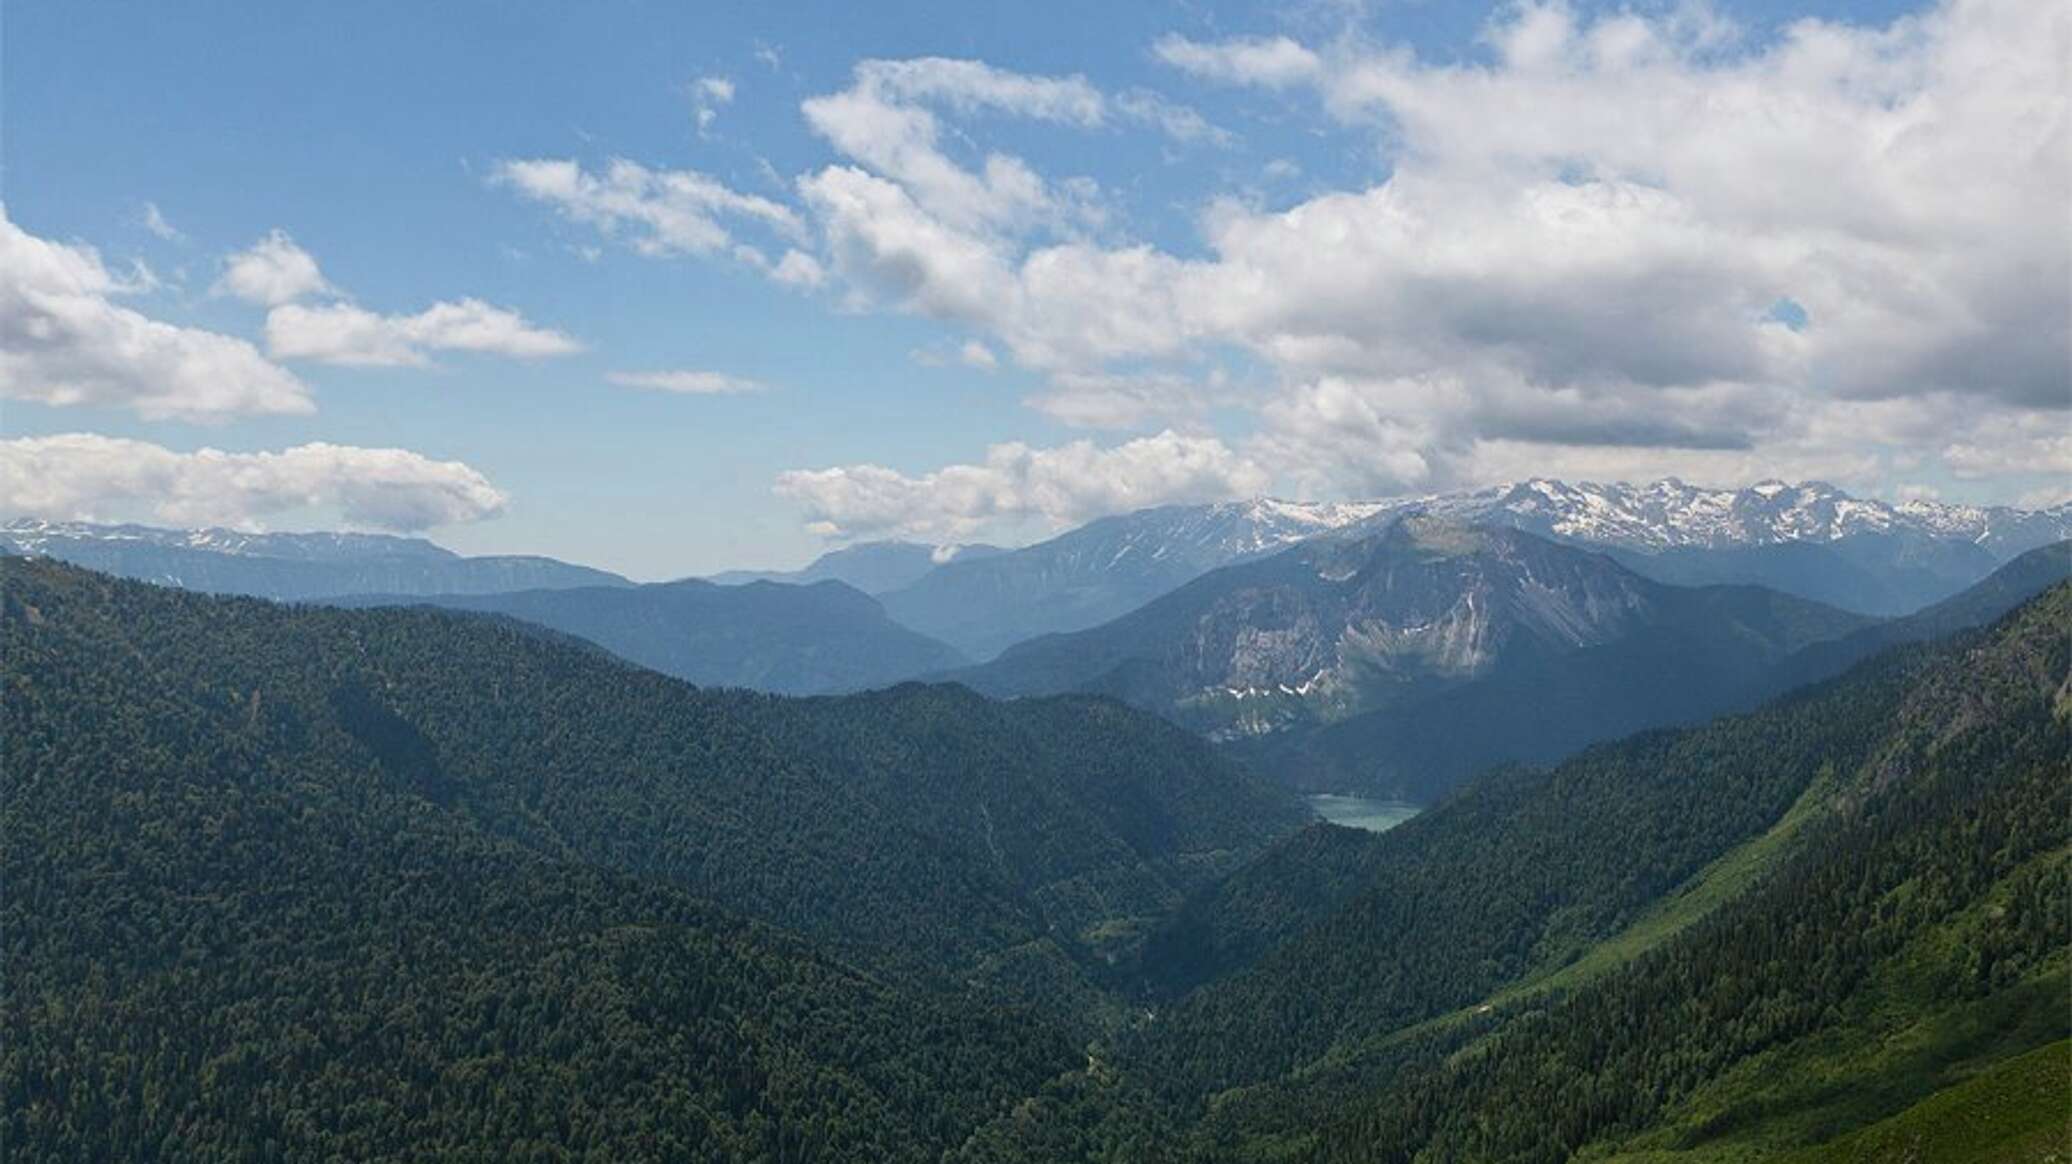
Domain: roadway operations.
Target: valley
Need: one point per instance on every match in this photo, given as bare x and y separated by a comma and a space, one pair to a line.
928, 582
1472, 810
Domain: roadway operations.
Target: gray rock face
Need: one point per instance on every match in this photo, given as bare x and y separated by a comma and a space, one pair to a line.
1101, 570
1459, 636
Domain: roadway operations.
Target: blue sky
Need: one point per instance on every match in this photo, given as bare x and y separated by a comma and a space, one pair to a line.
1333, 250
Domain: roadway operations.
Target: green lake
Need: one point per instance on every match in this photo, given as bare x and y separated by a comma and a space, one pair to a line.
1359, 812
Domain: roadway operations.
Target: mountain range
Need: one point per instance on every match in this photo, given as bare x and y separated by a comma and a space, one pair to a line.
1101, 570
297, 881
1810, 540
1397, 658
288, 567
872, 567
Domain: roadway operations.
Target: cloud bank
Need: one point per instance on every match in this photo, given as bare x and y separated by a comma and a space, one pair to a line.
88, 477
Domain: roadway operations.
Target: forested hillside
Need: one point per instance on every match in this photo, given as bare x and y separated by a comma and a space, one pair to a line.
1737, 939
405, 882
1917, 930
287, 882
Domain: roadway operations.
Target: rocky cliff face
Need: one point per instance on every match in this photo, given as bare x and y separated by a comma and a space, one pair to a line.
1337, 625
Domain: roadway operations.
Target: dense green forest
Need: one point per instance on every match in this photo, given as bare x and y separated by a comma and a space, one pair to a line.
355, 881
288, 883
1738, 939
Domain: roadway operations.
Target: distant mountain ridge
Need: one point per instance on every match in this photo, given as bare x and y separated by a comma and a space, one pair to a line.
1402, 657
766, 636
1668, 514
872, 567
288, 567
1811, 540
1103, 569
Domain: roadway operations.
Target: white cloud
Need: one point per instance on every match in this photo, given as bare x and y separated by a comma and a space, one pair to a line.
799, 269
660, 212
975, 354
1180, 122
154, 220
65, 341
1620, 242
687, 382
1274, 63
86, 476
974, 86
272, 271
708, 94
340, 333
886, 121
1067, 484
1122, 400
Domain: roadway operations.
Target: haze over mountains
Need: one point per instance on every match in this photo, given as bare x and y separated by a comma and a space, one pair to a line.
375, 882
412, 874
791, 639
288, 567
1443, 648
872, 567
1811, 540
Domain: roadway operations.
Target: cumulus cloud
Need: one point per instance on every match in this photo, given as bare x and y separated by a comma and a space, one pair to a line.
65, 340
272, 271
341, 333
687, 382
1272, 62
85, 476
657, 212
1617, 241
886, 121
1062, 485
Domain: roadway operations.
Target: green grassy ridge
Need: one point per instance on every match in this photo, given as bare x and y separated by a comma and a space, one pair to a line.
1901, 941
2013, 1113
1894, 1047
1715, 885
1338, 1070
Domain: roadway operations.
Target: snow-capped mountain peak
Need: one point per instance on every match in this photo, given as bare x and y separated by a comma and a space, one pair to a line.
1669, 514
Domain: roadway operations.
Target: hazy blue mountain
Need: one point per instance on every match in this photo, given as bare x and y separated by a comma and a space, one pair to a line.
872, 567
2006, 588
1400, 660
768, 636
1872, 573
1099, 571
1810, 540
289, 567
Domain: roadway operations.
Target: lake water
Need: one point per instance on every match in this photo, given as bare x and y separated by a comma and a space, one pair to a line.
1376, 816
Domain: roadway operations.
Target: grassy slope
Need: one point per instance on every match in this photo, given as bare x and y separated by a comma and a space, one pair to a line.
1891, 1053
2014, 1113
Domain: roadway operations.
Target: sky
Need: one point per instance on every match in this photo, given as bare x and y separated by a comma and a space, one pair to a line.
671, 288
